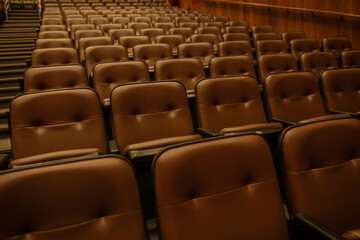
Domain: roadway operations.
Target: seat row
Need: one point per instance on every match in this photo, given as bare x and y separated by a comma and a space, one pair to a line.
64, 2
219, 188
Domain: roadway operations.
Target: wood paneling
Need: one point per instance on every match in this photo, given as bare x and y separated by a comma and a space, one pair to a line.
317, 25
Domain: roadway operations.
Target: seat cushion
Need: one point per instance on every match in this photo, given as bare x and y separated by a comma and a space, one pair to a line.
325, 117
352, 234
250, 127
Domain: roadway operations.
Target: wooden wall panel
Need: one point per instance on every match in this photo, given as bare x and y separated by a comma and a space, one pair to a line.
318, 26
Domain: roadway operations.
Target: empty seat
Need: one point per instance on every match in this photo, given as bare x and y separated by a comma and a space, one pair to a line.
163, 19
340, 88
143, 19
157, 116
129, 42
321, 173
85, 34
350, 58
165, 25
53, 43
202, 19
53, 34
201, 50
52, 21
264, 36
150, 53
193, 25
336, 45
188, 71
116, 34
122, 20
240, 23
273, 63
224, 19
92, 41
262, 29
231, 105
105, 53
55, 124
207, 37
300, 46
178, 20
152, 33
54, 56
236, 29
213, 30
106, 76
231, 66
270, 47
52, 28
92, 198
54, 77
185, 32
236, 37
105, 27
76, 27
172, 40
317, 62
224, 188
138, 26
72, 21
288, 36
294, 97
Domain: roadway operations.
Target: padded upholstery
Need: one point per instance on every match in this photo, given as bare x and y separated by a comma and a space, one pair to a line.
213, 30
165, 25
129, 42
122, 20
229, 105
86, 34
76, 27
150, 53
72, 21
224, 19
240, 23
53, 34
54, 56
193, 25
185, 32
53, 77
350, 58
288, 36
336, 45
270, 47
207, 37
52, 21
293, 96
236, 37
138, 26
178, 20
264, 36
262, 29
202, 19
157, 116
231, 66
173, 40
92, 41
109, 75
163, 19
55, 121
236, 29
105, 27
116, 34
322, 174
274, 63
85, 199
318, 61
205, 190
201, 50
235, 48
152, 33
341, 89
105, 53
53, 43
300, 46
188, 71
217, 24
52, 28
143, 19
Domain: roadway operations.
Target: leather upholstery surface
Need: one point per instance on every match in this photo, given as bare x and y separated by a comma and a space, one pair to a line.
288, 36
316, 62
231, 66
240, 47
262, 29
150, 53
201, 50
54, 56
336, 44
350, 58
86, 34
270, 47
76, 27
53, 34
173, 40
92, 41
53, 43
299, 46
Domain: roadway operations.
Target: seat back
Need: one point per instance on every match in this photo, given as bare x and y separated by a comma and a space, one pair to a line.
288, 36
129, 42
293, 96
231, 66
165, 25
92, 198
157, 110
92, 41
72, 21
137, 26
350, 58
193, 25
274, 63
236, 37
223, 19
54, 43
229, 102
86, 34
320, 164
54, 56
236, 29
318, 61
201, 50
230, 48
150, 53
105, 53
76, 27
52, 28
262, 29
185, 32
53, 34
54, 77
188, 71
270, 47
212, 30
57, 120
198, 186
300, 46
52, 21
264, 36
105, 27
109, 75
152, 33
116, 34
336, 45
172, 40
340, 88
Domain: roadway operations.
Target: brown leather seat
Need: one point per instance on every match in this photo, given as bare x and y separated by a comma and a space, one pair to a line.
152, 33
92, 41
72, 21
138, 26
193, 25
213, 30
173, 40
188, 71
106, 53
322, 177
202, 19
240, 23
143, 19
185, 32
231, 48
264, 36
109, 75
207, 37
157, 116
54, 56
201, 50
336, 45
236, 29
270, 47
165, 25
236, 37
86, 34
52, 28
54, 124
224, 188
340, 88
273, 63
54, 43
300, 46
295, 97
53, 34
116, 34
262, 29
231, 66
54, 77
317, 62
150, 53
350, 58
90, 198
76, 27
105, 27
224, 19
163, 19
52, 21
288, 36
178, 20
122, 20
129, 42
231, 105
113, 15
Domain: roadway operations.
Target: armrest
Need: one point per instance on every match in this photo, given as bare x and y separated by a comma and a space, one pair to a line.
21, 84
314, 225
286, 123
206, 133
113, 147
141, 156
